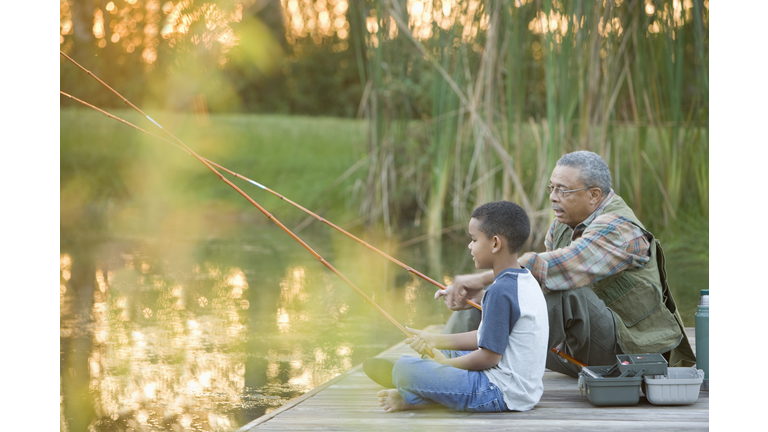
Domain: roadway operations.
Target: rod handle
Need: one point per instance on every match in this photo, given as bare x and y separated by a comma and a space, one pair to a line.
426, 347
557, 351
429, 352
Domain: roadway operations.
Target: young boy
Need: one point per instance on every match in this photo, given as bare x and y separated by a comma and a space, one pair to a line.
498, 367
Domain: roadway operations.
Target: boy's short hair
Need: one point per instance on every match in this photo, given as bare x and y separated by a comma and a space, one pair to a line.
506, 219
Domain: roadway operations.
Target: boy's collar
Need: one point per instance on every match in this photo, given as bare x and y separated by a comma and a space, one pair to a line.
509, 270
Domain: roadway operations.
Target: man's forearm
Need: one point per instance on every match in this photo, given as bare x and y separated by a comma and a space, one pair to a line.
486, 278
482, 280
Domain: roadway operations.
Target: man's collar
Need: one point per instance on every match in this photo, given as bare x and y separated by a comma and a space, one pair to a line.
598, 211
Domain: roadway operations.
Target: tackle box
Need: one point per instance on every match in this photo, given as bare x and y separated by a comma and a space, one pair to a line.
607, 386
680, 386
653, 364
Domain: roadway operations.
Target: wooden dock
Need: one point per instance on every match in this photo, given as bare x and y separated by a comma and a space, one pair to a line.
349, 403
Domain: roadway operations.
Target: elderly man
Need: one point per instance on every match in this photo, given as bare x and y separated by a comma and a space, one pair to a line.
602, 274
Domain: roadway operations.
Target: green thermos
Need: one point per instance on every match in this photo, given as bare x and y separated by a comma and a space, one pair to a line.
702, 337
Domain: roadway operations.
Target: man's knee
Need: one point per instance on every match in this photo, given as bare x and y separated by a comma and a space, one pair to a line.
585, 323
463, 321
578, 305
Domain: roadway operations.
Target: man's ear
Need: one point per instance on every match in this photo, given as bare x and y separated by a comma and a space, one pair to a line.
595, 195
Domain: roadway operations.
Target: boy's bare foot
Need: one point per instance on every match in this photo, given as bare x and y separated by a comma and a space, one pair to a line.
392, 401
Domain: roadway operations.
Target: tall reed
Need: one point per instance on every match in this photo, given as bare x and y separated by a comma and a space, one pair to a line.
504, 88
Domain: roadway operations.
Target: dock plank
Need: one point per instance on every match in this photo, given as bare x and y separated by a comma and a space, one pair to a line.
349, 403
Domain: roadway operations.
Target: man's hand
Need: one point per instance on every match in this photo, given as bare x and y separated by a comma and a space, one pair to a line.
465, 287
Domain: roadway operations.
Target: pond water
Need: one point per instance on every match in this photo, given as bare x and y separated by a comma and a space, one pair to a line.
209, 329
209, 334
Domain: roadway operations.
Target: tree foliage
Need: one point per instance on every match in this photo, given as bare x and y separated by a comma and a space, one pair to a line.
220, 56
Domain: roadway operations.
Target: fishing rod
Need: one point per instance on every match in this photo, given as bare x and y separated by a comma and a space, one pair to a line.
282, 197
410, 269
341, 230
258, 206
583, 366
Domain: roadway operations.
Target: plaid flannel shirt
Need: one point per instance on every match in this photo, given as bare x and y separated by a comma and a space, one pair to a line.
602, 245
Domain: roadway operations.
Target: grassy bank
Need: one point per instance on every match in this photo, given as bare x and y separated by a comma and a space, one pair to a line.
141, 181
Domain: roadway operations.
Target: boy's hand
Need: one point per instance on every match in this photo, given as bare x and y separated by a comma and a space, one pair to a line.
422, 340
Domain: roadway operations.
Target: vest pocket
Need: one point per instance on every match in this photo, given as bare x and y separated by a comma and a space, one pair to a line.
629, 297
644, 325
637, 303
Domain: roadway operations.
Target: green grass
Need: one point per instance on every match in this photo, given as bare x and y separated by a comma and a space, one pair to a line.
686, 248
107, 166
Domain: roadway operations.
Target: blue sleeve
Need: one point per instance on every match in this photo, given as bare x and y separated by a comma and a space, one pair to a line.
500, 313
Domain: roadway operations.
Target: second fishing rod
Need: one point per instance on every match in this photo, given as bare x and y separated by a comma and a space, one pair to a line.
262, 209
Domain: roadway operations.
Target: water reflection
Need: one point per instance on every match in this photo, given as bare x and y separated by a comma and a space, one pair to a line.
178, 335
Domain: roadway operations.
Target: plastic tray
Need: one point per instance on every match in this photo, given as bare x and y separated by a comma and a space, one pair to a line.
610, 389
680, 387
654, 364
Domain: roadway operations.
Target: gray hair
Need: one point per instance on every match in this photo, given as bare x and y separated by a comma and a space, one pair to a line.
594, 171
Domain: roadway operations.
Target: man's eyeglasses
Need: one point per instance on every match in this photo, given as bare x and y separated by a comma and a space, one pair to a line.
561, 192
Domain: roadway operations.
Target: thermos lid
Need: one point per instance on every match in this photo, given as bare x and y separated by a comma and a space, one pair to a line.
704, 298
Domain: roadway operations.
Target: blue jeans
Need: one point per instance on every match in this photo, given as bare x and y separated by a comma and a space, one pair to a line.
420, 381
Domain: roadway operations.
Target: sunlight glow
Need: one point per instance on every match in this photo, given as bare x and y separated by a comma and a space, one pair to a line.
134, 25
93, 365
149, 390
649, 7
102, 284
134, 353
283, 320
317, 20
219, 422
371, 24
320, 356
303, 382
142, 25
292, 286
65, 266
65, 21
98, 24
236, 280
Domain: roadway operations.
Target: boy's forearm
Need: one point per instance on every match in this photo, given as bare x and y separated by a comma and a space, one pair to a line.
457, 342
477, 360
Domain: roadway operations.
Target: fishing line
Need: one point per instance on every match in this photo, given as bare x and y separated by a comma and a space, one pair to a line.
259, 185
258, 206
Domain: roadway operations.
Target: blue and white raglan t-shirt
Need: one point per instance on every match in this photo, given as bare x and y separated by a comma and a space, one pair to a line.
515, 324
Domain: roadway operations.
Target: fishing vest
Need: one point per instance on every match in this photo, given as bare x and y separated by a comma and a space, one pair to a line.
646, 317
